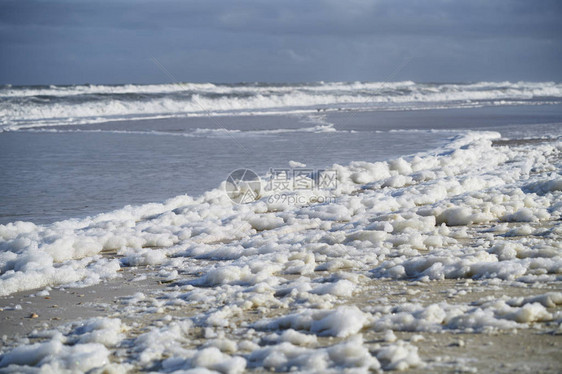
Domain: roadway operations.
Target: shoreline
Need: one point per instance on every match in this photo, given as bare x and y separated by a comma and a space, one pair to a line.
102, 187
459, 276
535, 348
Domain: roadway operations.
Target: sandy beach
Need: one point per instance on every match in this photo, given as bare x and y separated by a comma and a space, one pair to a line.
533, 348
467, 281
219, 187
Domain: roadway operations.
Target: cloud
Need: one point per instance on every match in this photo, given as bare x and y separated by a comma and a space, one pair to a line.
73, 41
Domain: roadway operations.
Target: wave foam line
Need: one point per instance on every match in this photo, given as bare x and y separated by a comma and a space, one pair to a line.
406, 218
29, 107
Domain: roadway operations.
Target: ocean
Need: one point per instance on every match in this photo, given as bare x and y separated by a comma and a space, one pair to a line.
378, 216
74, 151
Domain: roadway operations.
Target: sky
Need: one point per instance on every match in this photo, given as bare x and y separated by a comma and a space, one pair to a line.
227, 41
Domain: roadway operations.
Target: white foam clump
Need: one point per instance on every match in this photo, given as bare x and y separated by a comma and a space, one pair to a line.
297, 338
342, 288
548, 300
168, 346
400, 356
296, 164
69, 251
341, 322
53, 356
350, 354
80, 347
488, 317
103, 330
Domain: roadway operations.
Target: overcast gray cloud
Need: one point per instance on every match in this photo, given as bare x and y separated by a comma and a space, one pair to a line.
68, 41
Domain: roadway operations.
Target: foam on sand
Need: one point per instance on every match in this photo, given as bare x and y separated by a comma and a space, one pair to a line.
469, 182
274, 285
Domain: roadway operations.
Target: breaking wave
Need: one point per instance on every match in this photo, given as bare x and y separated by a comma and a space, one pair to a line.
33, 106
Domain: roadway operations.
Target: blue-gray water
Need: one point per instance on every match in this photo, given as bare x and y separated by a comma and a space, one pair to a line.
49, 174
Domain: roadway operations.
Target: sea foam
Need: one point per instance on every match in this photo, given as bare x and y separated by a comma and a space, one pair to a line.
470, 211
26, 107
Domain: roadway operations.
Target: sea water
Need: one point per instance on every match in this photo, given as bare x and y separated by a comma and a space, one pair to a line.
74, 151
433, 183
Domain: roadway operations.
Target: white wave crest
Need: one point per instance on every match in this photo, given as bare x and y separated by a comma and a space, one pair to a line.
23, 107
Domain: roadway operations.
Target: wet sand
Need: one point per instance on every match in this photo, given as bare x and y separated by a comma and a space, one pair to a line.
534, 349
